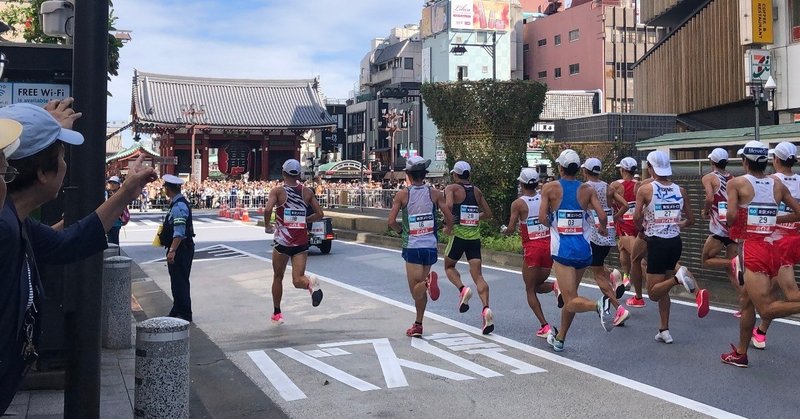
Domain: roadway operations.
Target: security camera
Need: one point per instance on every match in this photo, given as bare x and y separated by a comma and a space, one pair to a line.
57, 17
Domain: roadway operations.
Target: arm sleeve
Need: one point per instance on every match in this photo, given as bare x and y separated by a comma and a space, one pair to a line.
179, 214
78, 241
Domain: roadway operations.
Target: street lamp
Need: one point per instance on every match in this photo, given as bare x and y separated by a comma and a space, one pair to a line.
757, 89
460, 49
193, 115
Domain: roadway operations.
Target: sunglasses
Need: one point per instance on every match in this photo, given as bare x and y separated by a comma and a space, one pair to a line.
9, 175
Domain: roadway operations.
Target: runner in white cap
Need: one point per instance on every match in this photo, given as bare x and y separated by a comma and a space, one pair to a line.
756, 198
564, 208
535, 237
659, 207
631, 251
715, 210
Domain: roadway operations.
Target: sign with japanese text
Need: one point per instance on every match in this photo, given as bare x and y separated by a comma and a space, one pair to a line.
36, 93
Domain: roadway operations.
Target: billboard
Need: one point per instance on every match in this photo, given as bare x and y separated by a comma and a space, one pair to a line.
483, 15
755, 22
434, 20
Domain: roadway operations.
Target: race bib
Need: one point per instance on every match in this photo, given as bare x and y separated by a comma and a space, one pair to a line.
784, 210
722, 210
469, 215
628, 215
318, 229
420, 224
609, 219
570, 222
535, 229
294, 218
667, 213
761, 219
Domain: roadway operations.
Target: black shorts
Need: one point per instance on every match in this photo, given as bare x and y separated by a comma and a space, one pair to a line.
663, 254
726, 241
289, 250
599, 254
458, 247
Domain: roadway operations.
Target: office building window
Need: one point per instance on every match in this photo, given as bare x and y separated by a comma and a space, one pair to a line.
557, 39
557, 73
574, 35
543, 74
621, 70
408, 63
794, 10
542, 42
574, 69
462, 72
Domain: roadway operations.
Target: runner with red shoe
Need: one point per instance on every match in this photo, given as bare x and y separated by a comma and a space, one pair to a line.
626, 229
535, 236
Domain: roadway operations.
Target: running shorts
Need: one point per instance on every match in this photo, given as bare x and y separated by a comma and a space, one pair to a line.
663, 254
289, 250
789, 249
457, 247
763, 257
425, 256
536, 255
726, 241
599, 254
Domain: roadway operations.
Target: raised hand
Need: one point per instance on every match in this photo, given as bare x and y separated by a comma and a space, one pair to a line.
62, 111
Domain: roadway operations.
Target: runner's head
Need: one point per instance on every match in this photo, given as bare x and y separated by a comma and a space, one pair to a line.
658, 164
754, 157
462, 170
291, 169
627, 167
569, 163
719, 158
528, 179
785, 155
417, 168
592, 168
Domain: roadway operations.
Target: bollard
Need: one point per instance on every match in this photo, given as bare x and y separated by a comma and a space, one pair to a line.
111, 250
117, 302
162, 368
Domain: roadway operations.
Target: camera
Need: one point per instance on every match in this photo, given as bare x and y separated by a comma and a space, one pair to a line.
58, 17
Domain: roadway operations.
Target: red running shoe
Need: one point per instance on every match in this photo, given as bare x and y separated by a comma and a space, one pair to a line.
433, 285
415, 331
702, 303
734, 358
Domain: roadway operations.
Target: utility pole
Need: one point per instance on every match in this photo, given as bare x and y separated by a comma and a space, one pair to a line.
82, 325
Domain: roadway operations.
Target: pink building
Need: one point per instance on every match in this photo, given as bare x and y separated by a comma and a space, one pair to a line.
589, 46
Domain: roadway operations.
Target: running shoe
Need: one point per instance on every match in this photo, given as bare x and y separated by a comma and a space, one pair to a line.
559, 297
433, 285
313, 289
543, 331
701, 299
664, 337
734, 358
620, 316
758, 340
552, 340
737, 314
736, 265
463, 302
488, 321
415, 331
635, 302
616, 283
277, 319
626, 281
685, 278
605, 314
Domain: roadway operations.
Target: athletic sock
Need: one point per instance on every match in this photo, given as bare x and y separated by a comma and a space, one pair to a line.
758, 331
485, 307
419, 323
277, 310
460, 288
662, 330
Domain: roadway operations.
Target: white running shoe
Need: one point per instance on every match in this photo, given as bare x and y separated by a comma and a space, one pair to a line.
604, 311
664, 337
313, 289
685, 278
488, 321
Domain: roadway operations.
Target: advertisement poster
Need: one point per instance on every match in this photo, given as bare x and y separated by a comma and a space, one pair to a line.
484, 15
461, 14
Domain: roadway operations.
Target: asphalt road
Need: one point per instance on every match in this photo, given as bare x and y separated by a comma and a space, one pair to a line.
612, 370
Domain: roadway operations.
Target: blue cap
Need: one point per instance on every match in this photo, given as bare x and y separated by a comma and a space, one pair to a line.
172, 179
39, 129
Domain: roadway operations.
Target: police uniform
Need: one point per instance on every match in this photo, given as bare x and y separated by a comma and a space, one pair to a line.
178, 224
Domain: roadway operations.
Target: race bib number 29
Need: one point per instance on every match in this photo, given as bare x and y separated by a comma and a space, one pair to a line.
761, 219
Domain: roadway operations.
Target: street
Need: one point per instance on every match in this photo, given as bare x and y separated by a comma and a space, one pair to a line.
350, 356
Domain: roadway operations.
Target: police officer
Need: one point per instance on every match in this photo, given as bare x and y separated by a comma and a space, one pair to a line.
177, 235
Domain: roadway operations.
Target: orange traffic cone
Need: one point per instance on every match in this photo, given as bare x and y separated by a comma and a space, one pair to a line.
246, 216
222, 209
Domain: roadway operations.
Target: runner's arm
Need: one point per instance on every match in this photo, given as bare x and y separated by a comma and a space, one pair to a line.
544, 206
638, 213
448, 196
271, 202
615, 197
397, 202
312, 200
446, 211
709, 186
790, 202
486, 212
594, 203
733, 201
687, 211
513, 218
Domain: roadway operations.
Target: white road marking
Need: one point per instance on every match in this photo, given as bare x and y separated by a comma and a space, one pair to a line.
390, 365
454, 359
521, 366
435, 371
285, 386
330, 371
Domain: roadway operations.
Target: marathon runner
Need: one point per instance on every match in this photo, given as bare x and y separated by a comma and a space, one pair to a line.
626, 228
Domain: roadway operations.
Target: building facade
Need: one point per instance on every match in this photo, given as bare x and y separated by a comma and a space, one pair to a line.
786, 60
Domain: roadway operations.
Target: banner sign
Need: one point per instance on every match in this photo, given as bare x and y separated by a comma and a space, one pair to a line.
36, 93
483, 15
755, 22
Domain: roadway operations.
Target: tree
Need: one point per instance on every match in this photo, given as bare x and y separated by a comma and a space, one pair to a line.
23, 15
487, 123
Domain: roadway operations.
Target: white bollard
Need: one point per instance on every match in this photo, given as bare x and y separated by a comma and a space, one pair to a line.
117, 302
162, 368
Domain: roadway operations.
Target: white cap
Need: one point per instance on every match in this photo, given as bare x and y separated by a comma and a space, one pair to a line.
528, 176
39, 129
172, 179
785, 150
593, 165
291, 167
659, 161
755, 151
718, 154
460, 167
114, 179
417, 164
10, 131
628, 163
568, 157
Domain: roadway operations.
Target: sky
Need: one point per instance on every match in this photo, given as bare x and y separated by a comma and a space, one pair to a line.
257, 39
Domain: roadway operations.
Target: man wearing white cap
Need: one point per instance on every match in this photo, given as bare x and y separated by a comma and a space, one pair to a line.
629, 255
468, 207
112, 186
659, 207
753, 200
610, 283
537, 262
177, 236
418, 203
784, 158
290, 241
715, 211
26, 243
564, 209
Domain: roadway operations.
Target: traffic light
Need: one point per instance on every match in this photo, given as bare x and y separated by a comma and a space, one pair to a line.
394, 92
